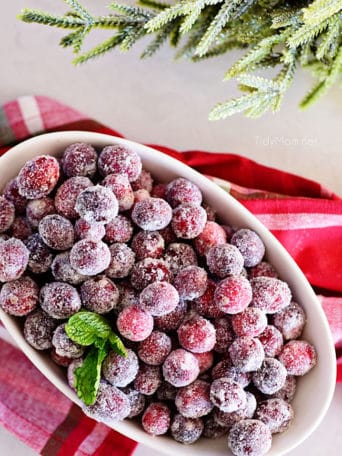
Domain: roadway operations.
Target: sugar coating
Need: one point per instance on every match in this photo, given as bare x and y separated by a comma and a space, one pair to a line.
205, 305
68, 193
249, 438
155, 348
20, 228
144, 181
137, 401
37, 209
212, 429
224, 334
148, 244
277, 414
90, 258
75, 363
186, 430
156, 419
179, 255
298, 356
188, 220
159, 190
180, 368
111, 405
118, 370
97, 204
224, 260
166, 392
250, 322
270, 294
148, 379
99, 295
64, 346
250, 245
120, 229
38, 177
225, 368
59, 300
263, 269
227, 395
120, 186
290, 321
19, 297
172, 320
62, 270
79, 159
148, 271
57, 232
152, 214
272, 341
180, 191
140, 195
233, 294
86, 230
288, 391
212, 235
228, 419
205, 360
159, 298
40, 256
197, 334
134, 323
119, 159
38, 329
7, 214
270, 377
247, 353
14, 258
191, 282
122, 259
193, 401
11, 193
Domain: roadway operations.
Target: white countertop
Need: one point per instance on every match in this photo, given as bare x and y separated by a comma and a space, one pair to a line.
165, 102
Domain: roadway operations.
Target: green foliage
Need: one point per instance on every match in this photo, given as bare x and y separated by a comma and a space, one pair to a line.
278, 34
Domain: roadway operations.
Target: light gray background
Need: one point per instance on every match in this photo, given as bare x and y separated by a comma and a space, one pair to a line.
160, 101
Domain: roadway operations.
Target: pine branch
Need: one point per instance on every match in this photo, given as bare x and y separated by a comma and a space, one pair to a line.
320, 10
40, 17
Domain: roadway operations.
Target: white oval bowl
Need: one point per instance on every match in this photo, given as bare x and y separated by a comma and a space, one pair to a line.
314, 391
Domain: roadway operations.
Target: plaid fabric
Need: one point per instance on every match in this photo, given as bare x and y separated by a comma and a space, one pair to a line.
303, 215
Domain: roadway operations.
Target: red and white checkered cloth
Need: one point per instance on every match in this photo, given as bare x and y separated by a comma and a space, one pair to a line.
303, 215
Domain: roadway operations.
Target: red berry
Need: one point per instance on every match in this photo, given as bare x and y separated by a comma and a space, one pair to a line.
178, 256
250, 245
228, 419
269, 294
262, 269
233, 294
20, 228
186, 430
7, 214
14, 257
97, 204
68, 193
38, 177
122, 260
227, 395
134, 323
144, 181
19, 297
63, 361
205, 305
11, 193
41, 257
120, 229
159, 298
172, 320
89, 257
298, 356
290, 321
136, 400
180, 191
152, 214
250, 322
119, 159
64, 346
118, 370
57, 232
249, 438
197, 335
120, 186
148, 379
159, 191
224, 334
287, 392
271, 340
99, 295
188, 220
225, 369
155, 348
148, 271
75, 363
212, 429
270, 377
148, 244
38, 329
79, 159
86, 230
213, 234
59, 300
37, 209
156, 419
276, 414
205, 361
247, 353
191, 282
224, 260
193, 401
166, 392
180, 368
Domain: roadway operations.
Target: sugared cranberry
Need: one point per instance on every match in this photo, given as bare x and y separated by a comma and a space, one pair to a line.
148, 244
287, 392
99, 295
180, 191
11, 193
233, 294
97, 204
75, 363
63, 361
249, 438
224, 260
159, 191
67, 195
152, 214
172, 320
156, 419
148, 271
197, 334
119, 159
140, 195
120, 186
38, 330
137, 401
226, 369
205, 361
38, 177
79, 159
212, 235
20, 228
186, 430
205, 305
193, 401
120, 229
178, 256
168, 235
14, 257
37, 209
57, 232
290, 321
155, 348
89, 257
227, 395
298, 356
41, 257
180, 368
276, 414
134, 323
228, 419
7, 214
250, 322
224, 334
250, 245
212, 429
269, 294
247, 353
119, 370
263, 269
159, 298
191, 282
271, 340
59, 300
166, 392
19, 297
188, 220
64, 346
86, 230
148, 379
128, 296
270, 377
62, 270
144, 181
122, 260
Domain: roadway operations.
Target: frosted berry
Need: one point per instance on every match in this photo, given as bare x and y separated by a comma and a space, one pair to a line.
205, 361
63, 361
120, 229
226, 369
40, 256
298, 356
156, 419
213, 234
191, 282
159, 298
249, 438
272, 341
152, 214
14, 257
148, 379
179, 255
224, 260
79, 159
172, 320
166, 392
250, 245
148, 271
59, 300
227, 395
155, 348
119, 370
186, 430
122, 260
64, 346
188, 220
89, 257
20, 228
37, 209
67, 195
193, 401
263, 269
97, 204
120, 186
57, 232
137, 401
75, 363
148, 244
212, 429
180, 368
169, 235
140, 195
224, 334
181, 191
205, 304
247, 353
159, 191
250, 322
38, 177
134, 323
270, 377
144, 181
288, 391
7, 214
19, 297
269, 294
119, 159
86, 230
128, 296
38, 329
11, 193
197, 334
233, 294
99, 295
62, 270
228, 419
290, 321
276, 414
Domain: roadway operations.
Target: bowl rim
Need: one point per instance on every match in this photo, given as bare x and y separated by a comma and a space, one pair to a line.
68, 137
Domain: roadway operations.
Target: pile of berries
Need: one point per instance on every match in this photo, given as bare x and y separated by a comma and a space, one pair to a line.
212, 332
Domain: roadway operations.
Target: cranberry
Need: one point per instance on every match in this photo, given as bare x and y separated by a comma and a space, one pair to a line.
99, 295
148, 379
212, 235
63, 271
120, 371
159, 298
119, 159
228, 419
38, 177
38, 329
166, 392
233, 294
205, 304
64, 346
14, 257
120, 229
269, 294
63, 361
136, 400
290, 321
11, 193
227, 395
59, 300
263, 269
224, 334
276, 414
148, 244
37, 209
19, 297
156, 419
288, 391
67, 195
250, 245
247, 353
89, 257
75, 363
250, 322
20, 228
191, 282
270, 377
40, 257
188, 220
122, 260
193, 401
79, 159
224, 260
148, 271
134, 323
120, 186
205, 361
271, 340
178, 256
85, 230
97, 204
172, 320
249, 438
298, 356
57, 232
7, 214
128, 296
155, 349
159, 191
144, 181
180, 191
197, 334
186, 430
152, 214
212, 429
180, 368
225, 369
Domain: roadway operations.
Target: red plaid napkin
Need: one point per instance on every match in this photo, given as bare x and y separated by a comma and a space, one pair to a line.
303, 215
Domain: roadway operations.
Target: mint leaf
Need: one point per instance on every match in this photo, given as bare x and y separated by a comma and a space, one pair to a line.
87, 377
85, 327
117, 345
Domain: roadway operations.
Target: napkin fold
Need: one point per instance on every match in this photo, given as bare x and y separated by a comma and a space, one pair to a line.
303, 215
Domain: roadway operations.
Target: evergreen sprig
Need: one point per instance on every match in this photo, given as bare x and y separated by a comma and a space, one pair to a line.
278, 34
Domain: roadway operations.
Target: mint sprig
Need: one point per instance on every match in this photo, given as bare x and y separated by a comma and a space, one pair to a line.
91, 329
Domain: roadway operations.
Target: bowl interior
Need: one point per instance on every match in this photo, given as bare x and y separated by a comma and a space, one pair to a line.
314, 391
